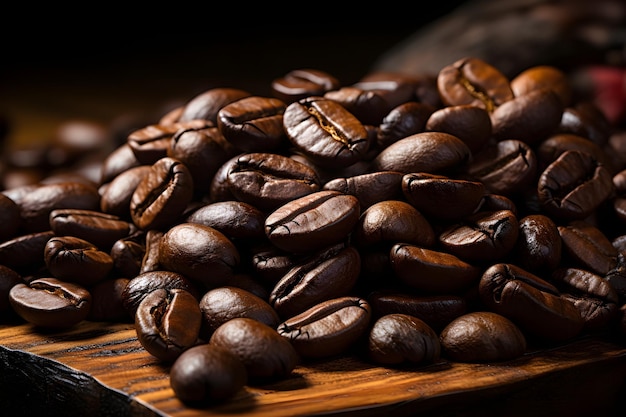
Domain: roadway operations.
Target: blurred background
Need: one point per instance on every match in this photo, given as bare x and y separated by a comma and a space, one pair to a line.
126, 66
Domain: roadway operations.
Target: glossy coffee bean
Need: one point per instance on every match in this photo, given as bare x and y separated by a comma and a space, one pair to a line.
588, 247
201, 253
325, 131
391, 221
539, 245
267, 180
540, 77
469, 123
396, 339
329, 328
151, 143
482, 237
167, 323
151, 260
593, 296
403, 120
121, 159
529, 118
473, 81
573, 186
143, 284
76, 260
265, 354
312, 222
8, 278
482, 336
430, 152
225, 303
431, 271
235, 219
253, 124
50, 303
205, 374
298, 84
107, 301
207, 104
101, 229
128, 253
329, 273
552, 147
507, 167
162, 195
24, 252
117, 194
531, 302
369, 188
585, 119
442, 197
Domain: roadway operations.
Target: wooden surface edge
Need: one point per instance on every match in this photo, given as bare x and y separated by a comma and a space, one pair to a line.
102, 368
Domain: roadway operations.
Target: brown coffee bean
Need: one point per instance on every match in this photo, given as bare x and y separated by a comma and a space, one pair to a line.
539, 245
467, 122
76, 260
588, 247
301, 83
207, 104
369, 188
396, 339
482, 336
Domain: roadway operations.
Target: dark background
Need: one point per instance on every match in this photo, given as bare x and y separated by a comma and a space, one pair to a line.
102, 64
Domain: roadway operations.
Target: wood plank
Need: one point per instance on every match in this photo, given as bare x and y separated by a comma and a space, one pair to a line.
101, 369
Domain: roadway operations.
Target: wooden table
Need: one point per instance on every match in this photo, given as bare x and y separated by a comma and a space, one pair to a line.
100, 369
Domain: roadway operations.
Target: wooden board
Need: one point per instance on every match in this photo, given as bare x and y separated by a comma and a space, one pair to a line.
101, 369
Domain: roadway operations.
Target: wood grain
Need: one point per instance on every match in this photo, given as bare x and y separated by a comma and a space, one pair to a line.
101, 369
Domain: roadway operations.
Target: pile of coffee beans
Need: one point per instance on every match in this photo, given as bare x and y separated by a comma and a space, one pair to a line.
406, 219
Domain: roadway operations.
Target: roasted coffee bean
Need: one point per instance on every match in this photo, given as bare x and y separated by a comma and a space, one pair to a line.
36, 206
162, 195
442, 197
541, 77
369, 188
588, 247
9, 218
267, 180
481, 237
467, 122
430, 152
436, 310
107, 301
397, 339
369, 106
313, 222
329, 328
253, 124
431, 271
50, 303
505, 168
24, 253
143, 284
101, 229
270, 263
325, 131
329, 273
120, 160
573, 186
301, 83
151, 143
205, 374
203, 151
482, 336
473, 81
151, 259
235, 219
531, 302
76, 260
207, 104
391, 221
225, 303
529, 118
117, 194
201, 253
403, 120
8, 279
593, 296
168, 322
539, 245
552, 147
585, 119
265, 354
